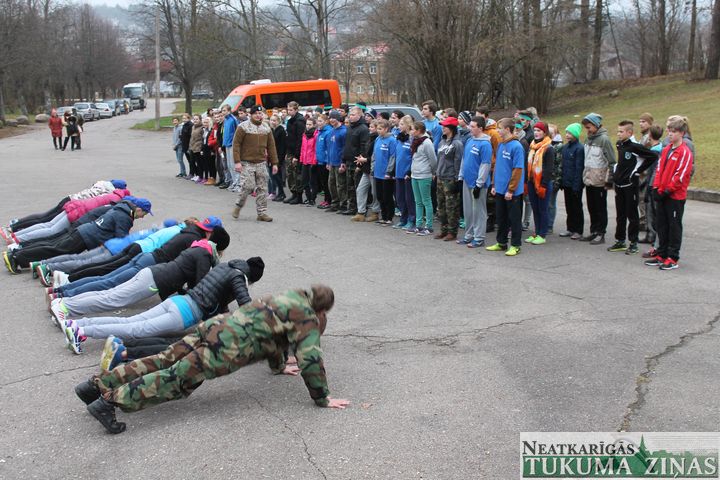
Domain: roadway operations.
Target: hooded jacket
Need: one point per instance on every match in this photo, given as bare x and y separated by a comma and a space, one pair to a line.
336, 145
424, 160
230, 123
308, 154
321, 145
55, 124
280, 138
355, 143
599, 159
450, 153
224, 283
573, 164
196, 138
295, 132
100, 187
116, 223
91, 216
189, 267
178, 243
77, 208
185, 135
252, 142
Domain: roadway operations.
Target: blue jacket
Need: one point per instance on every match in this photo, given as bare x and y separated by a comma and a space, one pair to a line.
573, 164
336, 145
117, 222
159, 238
384, 156
117, 245
403, 158
477, 155
434, 129
321, 145
229, 126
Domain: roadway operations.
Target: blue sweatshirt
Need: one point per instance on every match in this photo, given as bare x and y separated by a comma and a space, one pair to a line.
403, 158
336, 145
229, 126
435, 130
510, 155
321, 145
116, 245
477, 157
159, 238
384, 156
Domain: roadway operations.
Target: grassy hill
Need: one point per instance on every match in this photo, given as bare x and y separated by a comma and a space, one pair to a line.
662, 97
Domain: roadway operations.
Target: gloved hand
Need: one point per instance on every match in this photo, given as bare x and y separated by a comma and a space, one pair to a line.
476, 192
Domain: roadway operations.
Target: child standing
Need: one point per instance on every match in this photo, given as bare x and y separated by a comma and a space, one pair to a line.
177, 146
597, 176
56, 125
573, 164
450, 153
422, 169
384, 170
670, 185
655, 135
475, 174
626, 183
308, 160
403, 183
540, 168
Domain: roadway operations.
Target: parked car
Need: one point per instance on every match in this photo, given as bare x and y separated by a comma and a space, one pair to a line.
201, 94
105, 110
87, 111
61, 111
113, 104
407, 109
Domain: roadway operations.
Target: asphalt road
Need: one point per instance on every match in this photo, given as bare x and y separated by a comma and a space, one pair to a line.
447, 354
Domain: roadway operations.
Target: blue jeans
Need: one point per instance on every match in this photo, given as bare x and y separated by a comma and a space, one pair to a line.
179, 156
112, 279
552, 208
539, 205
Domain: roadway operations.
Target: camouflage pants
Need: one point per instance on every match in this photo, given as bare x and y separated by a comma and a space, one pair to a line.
338, 187
351, 196
216, 348
448, 206
254, 175
292, 172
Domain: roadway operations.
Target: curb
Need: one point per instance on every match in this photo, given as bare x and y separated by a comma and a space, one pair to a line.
703, 195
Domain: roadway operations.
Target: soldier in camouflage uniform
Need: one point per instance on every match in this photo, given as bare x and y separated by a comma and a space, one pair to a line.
263, 329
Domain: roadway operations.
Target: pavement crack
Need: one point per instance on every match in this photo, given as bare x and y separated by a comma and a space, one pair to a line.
642, 381
46, 374
308, 456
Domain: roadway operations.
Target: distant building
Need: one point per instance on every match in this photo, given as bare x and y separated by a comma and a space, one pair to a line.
361, 73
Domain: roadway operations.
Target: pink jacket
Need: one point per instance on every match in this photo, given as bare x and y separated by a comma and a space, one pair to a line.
307, 149
77, 208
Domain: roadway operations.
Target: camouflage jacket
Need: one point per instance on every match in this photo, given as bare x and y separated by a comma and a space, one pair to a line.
285, 320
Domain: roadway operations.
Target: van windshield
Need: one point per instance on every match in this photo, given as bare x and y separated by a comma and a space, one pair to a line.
232, 101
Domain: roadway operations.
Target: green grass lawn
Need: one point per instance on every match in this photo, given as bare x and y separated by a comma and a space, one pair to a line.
199, 106
662, 97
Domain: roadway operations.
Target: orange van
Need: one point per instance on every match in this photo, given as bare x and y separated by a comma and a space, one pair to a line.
279, 94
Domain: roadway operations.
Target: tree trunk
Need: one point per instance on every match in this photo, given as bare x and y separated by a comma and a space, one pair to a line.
188, 87
582, 75
2, 98
691, 42
664, 50
597, 40
713, 63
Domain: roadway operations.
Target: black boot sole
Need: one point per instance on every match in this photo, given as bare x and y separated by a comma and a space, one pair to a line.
87, 392
105, 414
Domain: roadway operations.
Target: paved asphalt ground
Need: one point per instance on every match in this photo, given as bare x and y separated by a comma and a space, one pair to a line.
447, 354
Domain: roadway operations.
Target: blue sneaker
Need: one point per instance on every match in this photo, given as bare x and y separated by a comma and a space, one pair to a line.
412, 230
463, 241
112, 353
476, 243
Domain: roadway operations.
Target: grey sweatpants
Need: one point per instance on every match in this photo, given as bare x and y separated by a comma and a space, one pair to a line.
475, 213
162, 320
138, 288
58, 224
361, 194
72, 261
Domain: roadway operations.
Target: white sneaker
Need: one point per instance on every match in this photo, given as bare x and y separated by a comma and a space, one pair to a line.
13, 246
60, 279
58, 313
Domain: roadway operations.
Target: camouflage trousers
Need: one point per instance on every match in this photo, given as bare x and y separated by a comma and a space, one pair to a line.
337, 182
292, 172
254, 175
448, 206
216, 348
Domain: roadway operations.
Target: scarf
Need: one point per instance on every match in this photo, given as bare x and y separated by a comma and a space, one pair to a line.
416, 144
535, 164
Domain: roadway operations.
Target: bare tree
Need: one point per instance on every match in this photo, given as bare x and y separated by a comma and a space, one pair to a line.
597, 40
713, 63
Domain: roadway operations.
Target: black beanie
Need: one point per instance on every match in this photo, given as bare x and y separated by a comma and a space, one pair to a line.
257, 267
221, 238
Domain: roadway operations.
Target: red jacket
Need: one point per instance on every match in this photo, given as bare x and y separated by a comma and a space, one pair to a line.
673, 171
56, 125
307, 149
77, 208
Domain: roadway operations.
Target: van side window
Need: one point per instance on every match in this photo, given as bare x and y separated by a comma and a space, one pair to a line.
248, 102
310, 97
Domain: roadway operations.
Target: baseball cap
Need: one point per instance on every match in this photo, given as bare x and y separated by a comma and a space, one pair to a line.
449, 121
144, 204
210, 223
119, 184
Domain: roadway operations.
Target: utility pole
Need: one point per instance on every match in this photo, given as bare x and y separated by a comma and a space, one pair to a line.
157, 67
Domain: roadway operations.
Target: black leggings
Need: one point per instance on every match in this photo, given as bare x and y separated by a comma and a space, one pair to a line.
57, 142
209, 170
309, 181
323, 177
384, 188
74, 143
68, 243
98, 269
36, 218
195, 169
144, 347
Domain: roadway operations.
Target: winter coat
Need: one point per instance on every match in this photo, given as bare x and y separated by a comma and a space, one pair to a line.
100, 187
450, 152
77, 208
196, 139
355, 143
56, 125
599, 159
573, 164
321, 145
224, 283
280, 137
91, 216
179, 242
307, 150
673, 171
295, 132
189, 267
116, 223
254, 143
185, 134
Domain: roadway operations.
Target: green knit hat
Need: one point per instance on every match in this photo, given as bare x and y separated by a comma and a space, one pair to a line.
574, 129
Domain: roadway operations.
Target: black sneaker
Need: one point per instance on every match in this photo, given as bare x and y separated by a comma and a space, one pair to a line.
632, 249
617, 247
654, 262
669, 264
598, 240
87, 391
104, 412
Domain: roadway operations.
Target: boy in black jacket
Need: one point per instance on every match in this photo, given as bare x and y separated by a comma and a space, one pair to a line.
633, 159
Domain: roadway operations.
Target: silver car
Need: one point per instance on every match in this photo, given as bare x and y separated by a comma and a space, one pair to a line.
87, 111
105, 110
